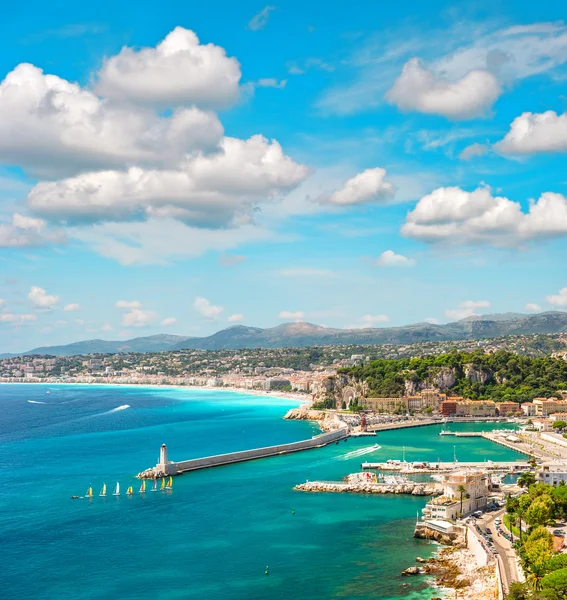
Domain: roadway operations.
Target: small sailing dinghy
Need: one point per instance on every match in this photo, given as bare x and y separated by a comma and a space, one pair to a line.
89, 493
129, 491
103, 491
117, 490
142, 487
154, 489
169, 483
163, 483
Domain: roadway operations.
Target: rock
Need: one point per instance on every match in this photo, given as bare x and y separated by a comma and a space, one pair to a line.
420, 560
411, 571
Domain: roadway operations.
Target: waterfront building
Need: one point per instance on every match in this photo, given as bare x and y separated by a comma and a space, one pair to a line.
552, 473
473, 494
529, 409
507, 408
548, 406
276, 383
449, 408
385, 405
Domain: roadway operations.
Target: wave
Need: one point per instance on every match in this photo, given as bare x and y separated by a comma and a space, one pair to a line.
359, 452
36, 402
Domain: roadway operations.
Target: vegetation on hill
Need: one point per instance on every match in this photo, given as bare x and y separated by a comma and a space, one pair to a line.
477, 375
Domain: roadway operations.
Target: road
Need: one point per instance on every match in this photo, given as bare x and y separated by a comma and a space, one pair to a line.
503, 548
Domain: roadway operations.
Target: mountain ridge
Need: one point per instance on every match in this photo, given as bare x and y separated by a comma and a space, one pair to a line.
302, 334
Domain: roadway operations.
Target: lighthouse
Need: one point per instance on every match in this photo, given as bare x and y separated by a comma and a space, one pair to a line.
163, 457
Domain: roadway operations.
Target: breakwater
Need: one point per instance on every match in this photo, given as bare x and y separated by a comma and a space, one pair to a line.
409, 487
166, 467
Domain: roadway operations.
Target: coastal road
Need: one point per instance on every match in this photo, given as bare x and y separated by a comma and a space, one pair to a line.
503, 548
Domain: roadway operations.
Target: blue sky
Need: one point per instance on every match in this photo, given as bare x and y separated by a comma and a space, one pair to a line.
181, 168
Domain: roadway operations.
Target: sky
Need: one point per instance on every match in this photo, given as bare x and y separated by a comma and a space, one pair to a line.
185, 167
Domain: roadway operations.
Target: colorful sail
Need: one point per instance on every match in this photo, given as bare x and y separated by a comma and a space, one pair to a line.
117, 489
143, 486
169, 483
163, 483
154, 489
103, 491
90, 492
129, 491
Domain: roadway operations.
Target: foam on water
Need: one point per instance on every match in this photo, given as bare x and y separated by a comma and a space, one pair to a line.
36, 402
359, 452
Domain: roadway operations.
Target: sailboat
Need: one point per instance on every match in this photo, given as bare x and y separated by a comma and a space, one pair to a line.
142, 487
154, 489
169, 483
103, 491
89, 493
129, 491
117, 490
163, 483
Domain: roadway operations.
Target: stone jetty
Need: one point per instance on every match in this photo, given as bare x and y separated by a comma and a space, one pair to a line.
411, 488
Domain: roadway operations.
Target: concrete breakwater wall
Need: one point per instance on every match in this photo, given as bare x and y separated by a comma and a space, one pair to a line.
411, 488
176, 468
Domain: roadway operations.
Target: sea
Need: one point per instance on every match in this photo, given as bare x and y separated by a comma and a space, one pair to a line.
218, 531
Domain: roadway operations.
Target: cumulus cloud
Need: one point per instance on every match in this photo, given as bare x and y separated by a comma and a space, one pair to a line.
54, 128
169, 321
468, 308
390, 259
138, 317
368, 186
71, 307
418, 89
26, 231
236, 318
452, 215
178, 71
206, 308
474, 151
41, 299
271, 82
371, 320
291, 315
16, 319
206, 190
559, 299
533, 307
533, 133
260, 20
128, 304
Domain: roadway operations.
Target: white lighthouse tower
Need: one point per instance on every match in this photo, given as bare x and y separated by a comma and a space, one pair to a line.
163, 462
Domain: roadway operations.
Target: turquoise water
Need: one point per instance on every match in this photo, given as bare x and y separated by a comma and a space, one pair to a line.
214, 534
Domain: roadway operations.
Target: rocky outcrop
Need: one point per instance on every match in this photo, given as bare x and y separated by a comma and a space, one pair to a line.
444, 379
410, 488
475, 375
328, 421
455, 538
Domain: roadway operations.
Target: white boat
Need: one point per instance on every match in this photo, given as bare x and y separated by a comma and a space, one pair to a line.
103, 491
117, 490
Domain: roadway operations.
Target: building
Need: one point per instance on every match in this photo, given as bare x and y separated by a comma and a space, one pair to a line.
385, 405
480, 408
507, 408
448, 408
473, 495
277, 383
529, 409
552, 473
548, 406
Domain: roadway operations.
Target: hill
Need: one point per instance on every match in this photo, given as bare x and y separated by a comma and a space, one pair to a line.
289, 335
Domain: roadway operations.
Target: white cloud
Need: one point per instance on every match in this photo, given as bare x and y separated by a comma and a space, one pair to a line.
468, 308
41, 299
55, 128
306, 272
290, 315
236, 318
16, 319
106, 327
206, 190
178, 71
474, 151
26, 232
128, 304
533, 133
2, 301
533, 307
455, 216
169, 321
368, 186
371, 320
418, 89
79, 321
71, 307
206, 308
271, 82
390, 259
260, 20
137, 317
559, 299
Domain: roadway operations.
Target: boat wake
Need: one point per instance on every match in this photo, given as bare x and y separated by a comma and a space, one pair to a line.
109, 412
359, 452
36, 402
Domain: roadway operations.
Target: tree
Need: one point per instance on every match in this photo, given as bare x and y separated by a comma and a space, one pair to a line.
540, 511
462, 491
559, 425
554, 585
538, 553
526, 479
519, 591
522, 507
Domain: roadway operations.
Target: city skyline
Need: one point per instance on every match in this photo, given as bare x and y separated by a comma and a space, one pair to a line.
170, 172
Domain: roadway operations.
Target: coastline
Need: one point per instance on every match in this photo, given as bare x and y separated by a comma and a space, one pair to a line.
303, 399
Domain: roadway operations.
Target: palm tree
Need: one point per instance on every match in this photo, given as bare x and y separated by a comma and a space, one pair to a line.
462, 491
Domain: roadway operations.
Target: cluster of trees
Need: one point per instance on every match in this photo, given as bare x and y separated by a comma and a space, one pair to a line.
499, 376
546, 571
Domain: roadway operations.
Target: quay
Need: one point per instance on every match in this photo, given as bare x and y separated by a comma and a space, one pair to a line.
444, 467
166, 467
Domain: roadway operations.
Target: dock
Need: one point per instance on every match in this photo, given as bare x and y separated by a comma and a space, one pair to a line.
444, 467
167, 467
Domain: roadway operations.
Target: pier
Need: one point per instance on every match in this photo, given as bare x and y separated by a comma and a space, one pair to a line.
166, 467
445, 467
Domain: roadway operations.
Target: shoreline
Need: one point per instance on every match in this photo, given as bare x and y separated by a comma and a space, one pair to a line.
301, 398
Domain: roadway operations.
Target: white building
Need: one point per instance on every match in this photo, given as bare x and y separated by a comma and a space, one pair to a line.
552, 473
448, 506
